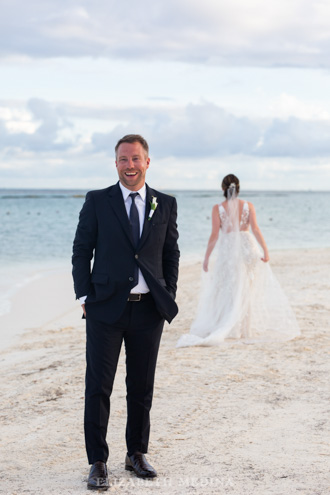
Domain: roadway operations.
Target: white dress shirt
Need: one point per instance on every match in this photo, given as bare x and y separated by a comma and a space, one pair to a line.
140, 201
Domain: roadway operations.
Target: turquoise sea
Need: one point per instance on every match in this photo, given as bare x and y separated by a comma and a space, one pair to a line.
37, 227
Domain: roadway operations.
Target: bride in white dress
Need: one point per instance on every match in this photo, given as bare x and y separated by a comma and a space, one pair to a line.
240, 296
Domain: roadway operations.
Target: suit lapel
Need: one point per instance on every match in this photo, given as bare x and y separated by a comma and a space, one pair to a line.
147, 225
117, 203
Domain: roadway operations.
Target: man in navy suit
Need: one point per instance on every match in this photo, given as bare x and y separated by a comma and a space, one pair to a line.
130, 230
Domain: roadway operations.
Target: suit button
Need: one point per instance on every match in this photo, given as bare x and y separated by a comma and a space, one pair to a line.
131, 279
136, 256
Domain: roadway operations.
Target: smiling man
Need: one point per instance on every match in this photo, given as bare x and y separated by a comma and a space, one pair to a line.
130, 230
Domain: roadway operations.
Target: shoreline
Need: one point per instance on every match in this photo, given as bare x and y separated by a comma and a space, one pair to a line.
235, 419
46, 299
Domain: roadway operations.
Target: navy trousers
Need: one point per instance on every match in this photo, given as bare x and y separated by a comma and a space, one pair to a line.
140, 327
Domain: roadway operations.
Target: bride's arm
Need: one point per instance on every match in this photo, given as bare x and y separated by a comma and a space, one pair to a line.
213, 237
257, 232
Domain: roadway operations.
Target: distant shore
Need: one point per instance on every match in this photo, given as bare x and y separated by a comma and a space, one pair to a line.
235, 419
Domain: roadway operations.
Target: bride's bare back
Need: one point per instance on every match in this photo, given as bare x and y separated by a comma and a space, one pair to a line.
242, 211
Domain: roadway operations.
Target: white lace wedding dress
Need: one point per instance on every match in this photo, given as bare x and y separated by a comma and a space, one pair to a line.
240, 296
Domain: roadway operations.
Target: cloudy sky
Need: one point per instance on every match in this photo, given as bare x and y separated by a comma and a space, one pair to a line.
215, 87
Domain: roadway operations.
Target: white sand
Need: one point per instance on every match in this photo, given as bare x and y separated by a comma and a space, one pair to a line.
240, 419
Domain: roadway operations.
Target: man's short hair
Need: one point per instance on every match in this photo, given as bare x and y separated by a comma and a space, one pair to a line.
133, 138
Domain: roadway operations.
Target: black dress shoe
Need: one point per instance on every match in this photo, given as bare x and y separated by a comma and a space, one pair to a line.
98, 477
138, 463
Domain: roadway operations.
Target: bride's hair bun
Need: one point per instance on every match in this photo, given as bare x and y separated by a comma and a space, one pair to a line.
228, 181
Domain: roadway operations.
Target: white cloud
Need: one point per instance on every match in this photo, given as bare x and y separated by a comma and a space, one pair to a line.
192, 131
296, 138
255, 33
192, 146
37, 128
206, 130
215, 86
17, 120
287, 105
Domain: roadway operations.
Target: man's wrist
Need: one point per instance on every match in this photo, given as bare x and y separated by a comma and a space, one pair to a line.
82, 299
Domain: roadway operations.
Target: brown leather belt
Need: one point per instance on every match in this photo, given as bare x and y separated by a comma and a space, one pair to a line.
138, 297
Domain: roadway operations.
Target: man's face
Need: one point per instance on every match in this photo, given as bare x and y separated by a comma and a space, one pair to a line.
132, 164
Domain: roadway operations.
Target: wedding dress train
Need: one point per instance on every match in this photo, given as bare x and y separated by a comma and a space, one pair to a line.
240, 297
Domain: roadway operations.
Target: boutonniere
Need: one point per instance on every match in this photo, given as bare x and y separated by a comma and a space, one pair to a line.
153, 206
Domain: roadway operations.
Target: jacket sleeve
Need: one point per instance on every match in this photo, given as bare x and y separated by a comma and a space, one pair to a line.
83, 247
171, 253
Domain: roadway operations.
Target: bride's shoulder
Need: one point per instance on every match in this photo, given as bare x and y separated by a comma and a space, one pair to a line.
216, 214
250, 205
216, 208
247, 204
251, 208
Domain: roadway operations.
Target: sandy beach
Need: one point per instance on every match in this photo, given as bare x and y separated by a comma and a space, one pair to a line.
236, 419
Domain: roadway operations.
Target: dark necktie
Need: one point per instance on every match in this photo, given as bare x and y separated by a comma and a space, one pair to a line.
135, 224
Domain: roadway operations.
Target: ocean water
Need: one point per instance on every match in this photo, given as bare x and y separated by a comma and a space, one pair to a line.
37, 228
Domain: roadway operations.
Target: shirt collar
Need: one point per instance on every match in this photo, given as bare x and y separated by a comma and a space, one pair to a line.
126, 192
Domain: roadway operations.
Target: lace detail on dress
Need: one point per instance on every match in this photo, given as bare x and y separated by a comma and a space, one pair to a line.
226, 223
245, 218
223, 216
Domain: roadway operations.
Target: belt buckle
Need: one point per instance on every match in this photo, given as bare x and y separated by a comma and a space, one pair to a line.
134, 297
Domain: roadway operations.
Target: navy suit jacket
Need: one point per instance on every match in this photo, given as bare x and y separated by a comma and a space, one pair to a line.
104, 233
